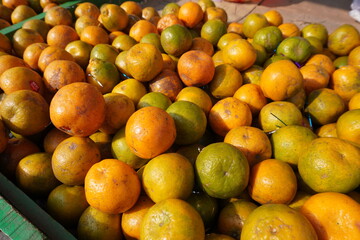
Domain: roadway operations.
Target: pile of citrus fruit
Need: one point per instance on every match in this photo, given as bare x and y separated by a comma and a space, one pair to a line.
136, 123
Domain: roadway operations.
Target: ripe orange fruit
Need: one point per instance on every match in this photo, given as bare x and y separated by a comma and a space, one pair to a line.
144, 61
191, 14
132, 7
289, 30
327, 130
252, 142
285, 75
84, 21
112, 186
123, 42
158, 128
113, 17
12, 4
269, 219
273, 17
52, 138
58, 15
64, 106
225, 82
172, 218
21, 13
343, 39
240, 54
252, 23
87, 9
215, 13
31, 54
235, 27
167, 21
50, 54
72, 159
339, 161
191, 67
62, 72
347, 126
141, 28
229, 113
226, 38
24, 37
251, 94
94, 35
278, 114
61, 35
345, 81
315, 77
222, 170
66, 204
37, 25
202, 44
166, 82
132, 88
354, 102
196, 95
94, 224
34, 174
150, 14
80, 51
25, 112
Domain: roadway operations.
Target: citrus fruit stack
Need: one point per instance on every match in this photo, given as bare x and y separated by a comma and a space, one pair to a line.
136, 123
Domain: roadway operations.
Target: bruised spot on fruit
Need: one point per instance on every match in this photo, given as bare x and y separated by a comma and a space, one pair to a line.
34, 86
72, 146
80, 110
227, 111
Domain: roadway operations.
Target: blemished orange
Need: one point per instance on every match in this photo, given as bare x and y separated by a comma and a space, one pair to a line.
268, 219
215, 13
62, 72
347, 126
21, 13
157, 128
191, 67
229, 113
132, 88
167, 21
240, 54
94, 35
252, 141
191, 14
61, 35
202, 44
131, 219
150, 14
58, 15
64, 107
333, 215
52, 138
283, 74
343, 39
24, 37
166, 82
72, 158
346, 81
251, 94
80, 51
196, 95
235, 27
50, 54
87, 9
113, 17
112, 186
82, 22
141, 28
132, 7
31, 54
186, 222
315, 77
266, 182
289, 30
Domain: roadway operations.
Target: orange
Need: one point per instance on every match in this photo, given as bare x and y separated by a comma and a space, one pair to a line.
327, 130
166, 82
225, 82
87, 9
37, 25
354, 58
191, 14
343, 39
202, 44
278, 114
215, 13
118, 110
170, 8
158, 128
252, 142
195, 95
25, 112
112, 186
8, 61
132, 88
289, 142
66, 204
251, 94
354, 102
123, 42
131, 219
102, 73
295, 48
144, 61
80, 51
22, 38
315, 77
114, 34
252, 74
269, 219
50, 5
21, 13
16, 149
12, 4
273, 17
105, 52
58, 15
218, 58
289, 30
283, 74
236, 27
324, 106
176, 39
82, 22
226, 38
52, 138
20, 78
141, 28
240, 54
348, 126
153, 38
229, 113
323, 61
121, 151
252, 23
131, 7
61, 35
345, 81
94, 35
333, 215
222, 170
191, 67
62, 72
95, 224
103, 141
316, 45
168, 176
64, 106
232, 217
150, 14
341, 61
316, 30
72, 158
120, 63
155, 99
268, 37
113, 17
34, 174
172, 219
50, 54
213, 30
132, 20
206, 4
190, 121
339, 161
167, 21
266, 182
